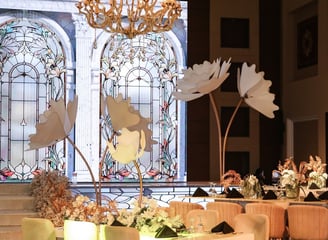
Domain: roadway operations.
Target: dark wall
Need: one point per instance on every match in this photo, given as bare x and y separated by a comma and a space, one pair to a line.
198, 154
271, 130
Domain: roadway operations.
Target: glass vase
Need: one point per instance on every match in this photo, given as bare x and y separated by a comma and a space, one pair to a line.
292, 192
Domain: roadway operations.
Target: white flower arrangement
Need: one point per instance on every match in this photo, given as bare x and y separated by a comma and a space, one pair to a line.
317, 178
250, 187
148, 218
289, 179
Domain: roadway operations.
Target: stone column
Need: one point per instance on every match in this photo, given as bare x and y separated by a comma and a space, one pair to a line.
85, 123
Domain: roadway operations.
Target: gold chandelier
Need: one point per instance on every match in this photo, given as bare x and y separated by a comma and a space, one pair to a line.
131, 18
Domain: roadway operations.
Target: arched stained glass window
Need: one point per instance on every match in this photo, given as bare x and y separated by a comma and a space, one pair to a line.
32, 71
145, 70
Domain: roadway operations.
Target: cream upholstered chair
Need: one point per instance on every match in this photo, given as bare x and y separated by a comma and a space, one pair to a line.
38, 229
258, 224
307, 222
118, 233
182, 208
207, 218
226, 210
77, 230
277, 217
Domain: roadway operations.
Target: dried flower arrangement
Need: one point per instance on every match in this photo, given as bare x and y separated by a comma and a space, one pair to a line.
51, 196
313, 171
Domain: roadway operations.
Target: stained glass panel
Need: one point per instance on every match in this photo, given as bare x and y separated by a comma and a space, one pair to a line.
145, 69
31, 73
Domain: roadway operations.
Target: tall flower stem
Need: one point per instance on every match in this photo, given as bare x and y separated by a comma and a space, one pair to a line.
227, 132
100, 172
218, 125
98, 200
140, 182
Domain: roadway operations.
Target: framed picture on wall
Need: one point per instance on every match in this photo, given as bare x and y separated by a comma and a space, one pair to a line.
307, 42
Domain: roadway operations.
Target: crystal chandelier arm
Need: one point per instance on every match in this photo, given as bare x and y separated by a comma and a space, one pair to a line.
141, 15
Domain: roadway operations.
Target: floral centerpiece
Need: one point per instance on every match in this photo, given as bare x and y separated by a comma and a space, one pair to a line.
230, 178
290, 181
311, 174
250, 187
54, 200
317, 175
148, 217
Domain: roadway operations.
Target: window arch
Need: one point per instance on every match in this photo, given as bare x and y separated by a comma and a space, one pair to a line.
145, 70
32, 71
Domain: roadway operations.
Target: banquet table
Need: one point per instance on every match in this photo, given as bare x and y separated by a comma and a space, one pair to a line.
284, 202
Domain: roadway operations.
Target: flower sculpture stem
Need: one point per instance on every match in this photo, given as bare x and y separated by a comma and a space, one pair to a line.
100, 173
140, 182
227, 132
217, 119
89, 169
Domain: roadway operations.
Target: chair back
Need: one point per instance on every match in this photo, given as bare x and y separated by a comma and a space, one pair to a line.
119, 233
182, 208
307, 222
226, 210
37, 229
258, 224
77, 230
277, 217
199, 218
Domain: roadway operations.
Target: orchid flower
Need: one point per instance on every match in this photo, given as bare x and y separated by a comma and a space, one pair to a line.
55, 124
201, 79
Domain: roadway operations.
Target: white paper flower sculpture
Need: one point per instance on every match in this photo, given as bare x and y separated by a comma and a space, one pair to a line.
133, 136
55, 124
205, 78
254, 89
201, 79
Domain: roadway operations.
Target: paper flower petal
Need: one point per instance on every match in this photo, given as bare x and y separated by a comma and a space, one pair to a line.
261, 100
55, 124
187, 97
128, 146
143, 127
248, 79
201, 79
255, 91
120, 113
